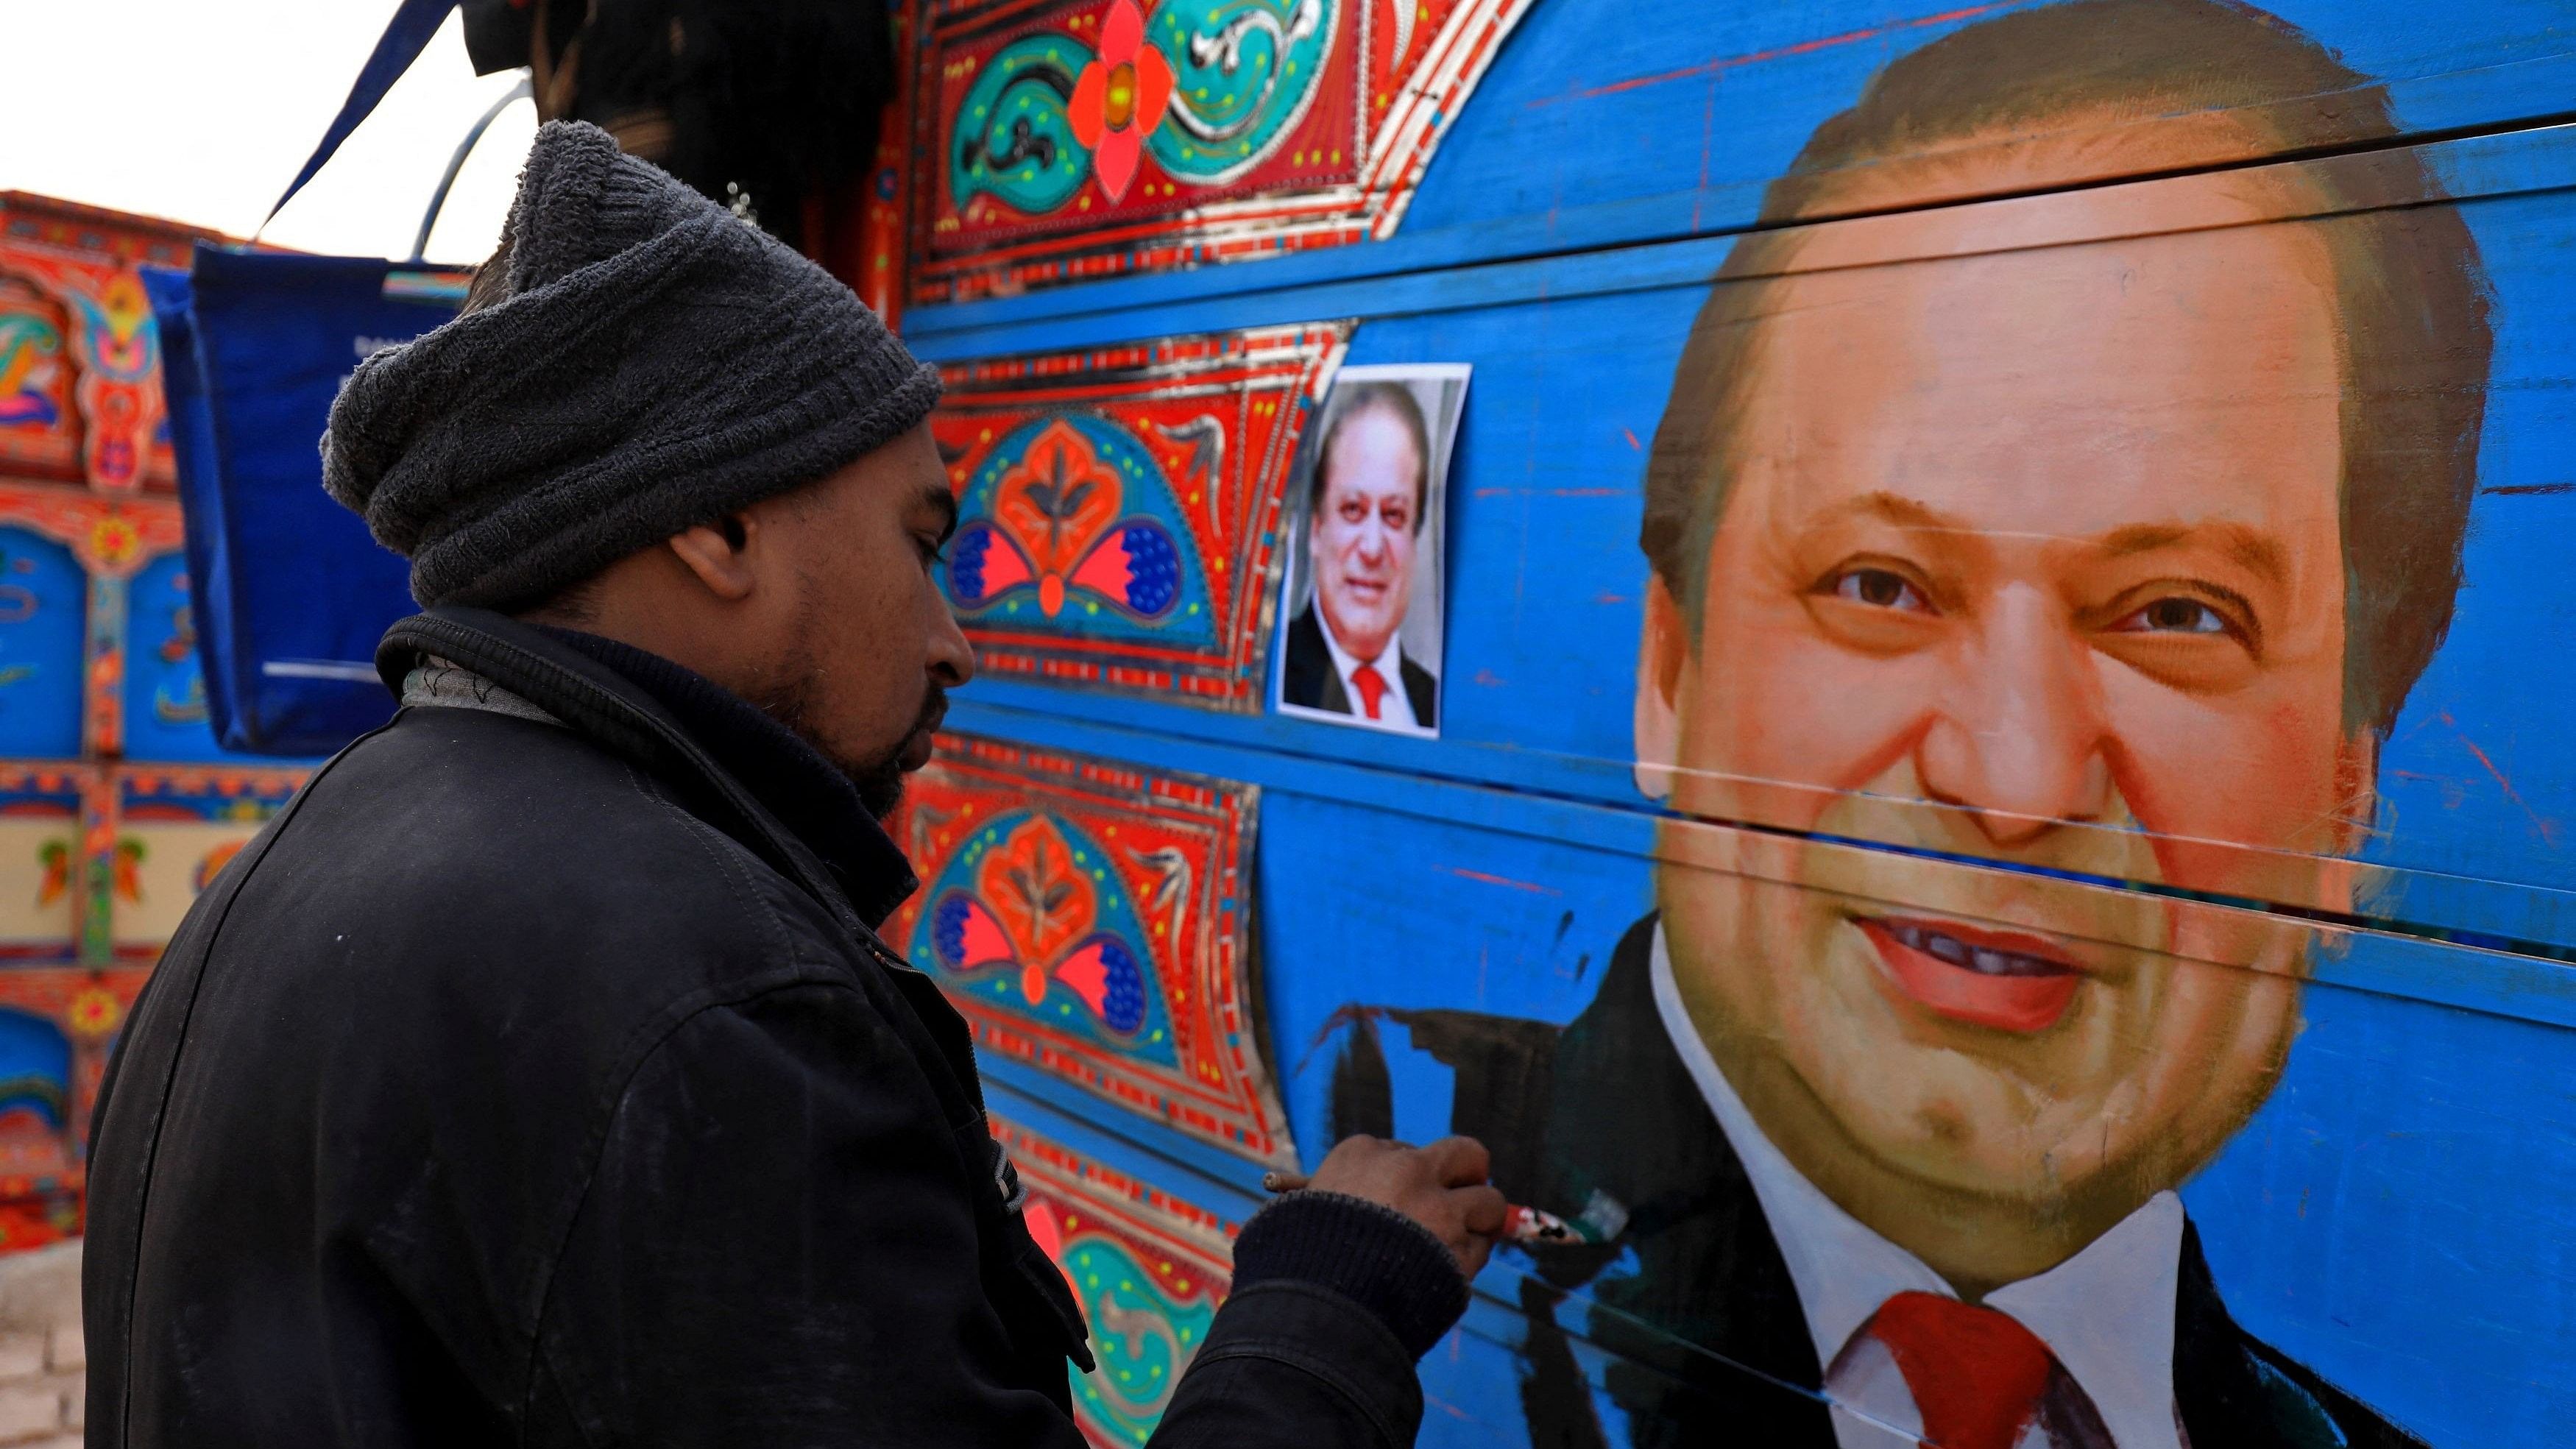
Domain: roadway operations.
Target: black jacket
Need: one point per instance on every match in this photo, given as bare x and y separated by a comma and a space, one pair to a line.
533, 1083
1310, 679
1710, 1344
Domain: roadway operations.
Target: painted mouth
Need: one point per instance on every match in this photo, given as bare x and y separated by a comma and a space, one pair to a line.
1998, 979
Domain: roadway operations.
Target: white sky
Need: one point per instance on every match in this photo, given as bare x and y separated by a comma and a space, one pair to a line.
203, 110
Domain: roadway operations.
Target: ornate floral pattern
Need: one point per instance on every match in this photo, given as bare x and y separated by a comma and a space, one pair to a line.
1120, 507
1149, 1269
1071, 140
1087, 919
1120, 98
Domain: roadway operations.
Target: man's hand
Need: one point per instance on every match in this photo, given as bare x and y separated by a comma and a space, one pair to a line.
1441, 1186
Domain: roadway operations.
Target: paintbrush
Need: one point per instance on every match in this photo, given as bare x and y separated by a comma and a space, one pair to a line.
1527, 1226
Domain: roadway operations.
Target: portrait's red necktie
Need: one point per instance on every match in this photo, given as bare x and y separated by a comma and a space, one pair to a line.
1372, 688
1976, 1374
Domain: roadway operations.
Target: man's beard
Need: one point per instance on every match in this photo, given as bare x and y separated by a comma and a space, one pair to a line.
879, 780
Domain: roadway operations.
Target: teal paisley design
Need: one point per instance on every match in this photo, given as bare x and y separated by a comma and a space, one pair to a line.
1142, 1336
1012, 138
1245, 73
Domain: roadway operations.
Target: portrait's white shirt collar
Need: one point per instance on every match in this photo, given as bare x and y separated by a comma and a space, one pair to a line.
1397, 706
2107, 1313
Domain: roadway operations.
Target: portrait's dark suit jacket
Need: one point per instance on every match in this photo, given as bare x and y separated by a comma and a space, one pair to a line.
1310, 679
1710, 1344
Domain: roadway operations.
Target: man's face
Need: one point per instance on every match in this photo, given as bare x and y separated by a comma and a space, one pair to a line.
873, 647
2033, 556
1362, 538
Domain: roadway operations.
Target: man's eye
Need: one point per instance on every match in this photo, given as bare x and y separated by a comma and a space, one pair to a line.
1880, 589
2175, 614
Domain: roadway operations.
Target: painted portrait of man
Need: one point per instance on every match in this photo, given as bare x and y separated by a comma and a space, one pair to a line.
2093, 535
1370, 493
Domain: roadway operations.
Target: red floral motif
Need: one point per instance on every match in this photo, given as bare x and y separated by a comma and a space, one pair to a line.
95, 1012
1120, 98
1054, 504
56, 858
1043, 903
127, 866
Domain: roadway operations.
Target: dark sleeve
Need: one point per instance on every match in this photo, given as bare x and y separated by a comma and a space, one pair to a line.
1334, 1300
780, 1248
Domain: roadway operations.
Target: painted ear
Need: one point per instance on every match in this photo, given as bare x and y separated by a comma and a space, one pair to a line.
1663, 646
2342, 880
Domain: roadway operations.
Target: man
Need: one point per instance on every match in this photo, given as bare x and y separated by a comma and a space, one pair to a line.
1364, 512
537, 1076
2098, 535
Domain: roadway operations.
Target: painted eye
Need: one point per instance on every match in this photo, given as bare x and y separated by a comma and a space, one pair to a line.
2176, 614
1880, 589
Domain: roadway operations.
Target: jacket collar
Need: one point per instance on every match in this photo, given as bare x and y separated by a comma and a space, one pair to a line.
852, 868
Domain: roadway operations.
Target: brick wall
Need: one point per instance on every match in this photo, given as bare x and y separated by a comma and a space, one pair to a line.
41, 1358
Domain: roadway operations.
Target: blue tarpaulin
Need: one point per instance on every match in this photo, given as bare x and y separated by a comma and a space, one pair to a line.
291, 593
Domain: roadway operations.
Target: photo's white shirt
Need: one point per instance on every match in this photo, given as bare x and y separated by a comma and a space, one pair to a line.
2107, 1313
1395, 710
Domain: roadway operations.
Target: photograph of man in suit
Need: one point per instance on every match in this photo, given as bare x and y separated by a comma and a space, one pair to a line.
1369, 495
2098, 534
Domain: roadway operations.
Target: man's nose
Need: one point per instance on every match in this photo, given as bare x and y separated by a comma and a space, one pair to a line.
1373, 540
2019, 744
952, 659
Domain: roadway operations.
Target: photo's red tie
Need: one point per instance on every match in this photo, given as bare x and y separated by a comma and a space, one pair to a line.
1976, 1374
1372, 688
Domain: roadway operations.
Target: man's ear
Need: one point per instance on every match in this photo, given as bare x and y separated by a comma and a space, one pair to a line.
714, 552
717, 554
1663, 647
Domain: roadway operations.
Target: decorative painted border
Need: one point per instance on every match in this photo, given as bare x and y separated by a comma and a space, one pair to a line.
90, 1006
112, 537
88, 785
116, 351
1148, 1268
1412, 88
1165, 919
1217, 417
171, 794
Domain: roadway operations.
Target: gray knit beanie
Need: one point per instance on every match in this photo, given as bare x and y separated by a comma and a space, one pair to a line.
655, 364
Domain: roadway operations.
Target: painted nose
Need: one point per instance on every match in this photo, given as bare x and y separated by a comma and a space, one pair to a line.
2019, 746
1372, 543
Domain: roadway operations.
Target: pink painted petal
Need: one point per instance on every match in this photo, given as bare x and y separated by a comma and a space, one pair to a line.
1106, 572
1113, 163
1153, 89
1088, 977
1083, 111
983, 942
1120, 31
